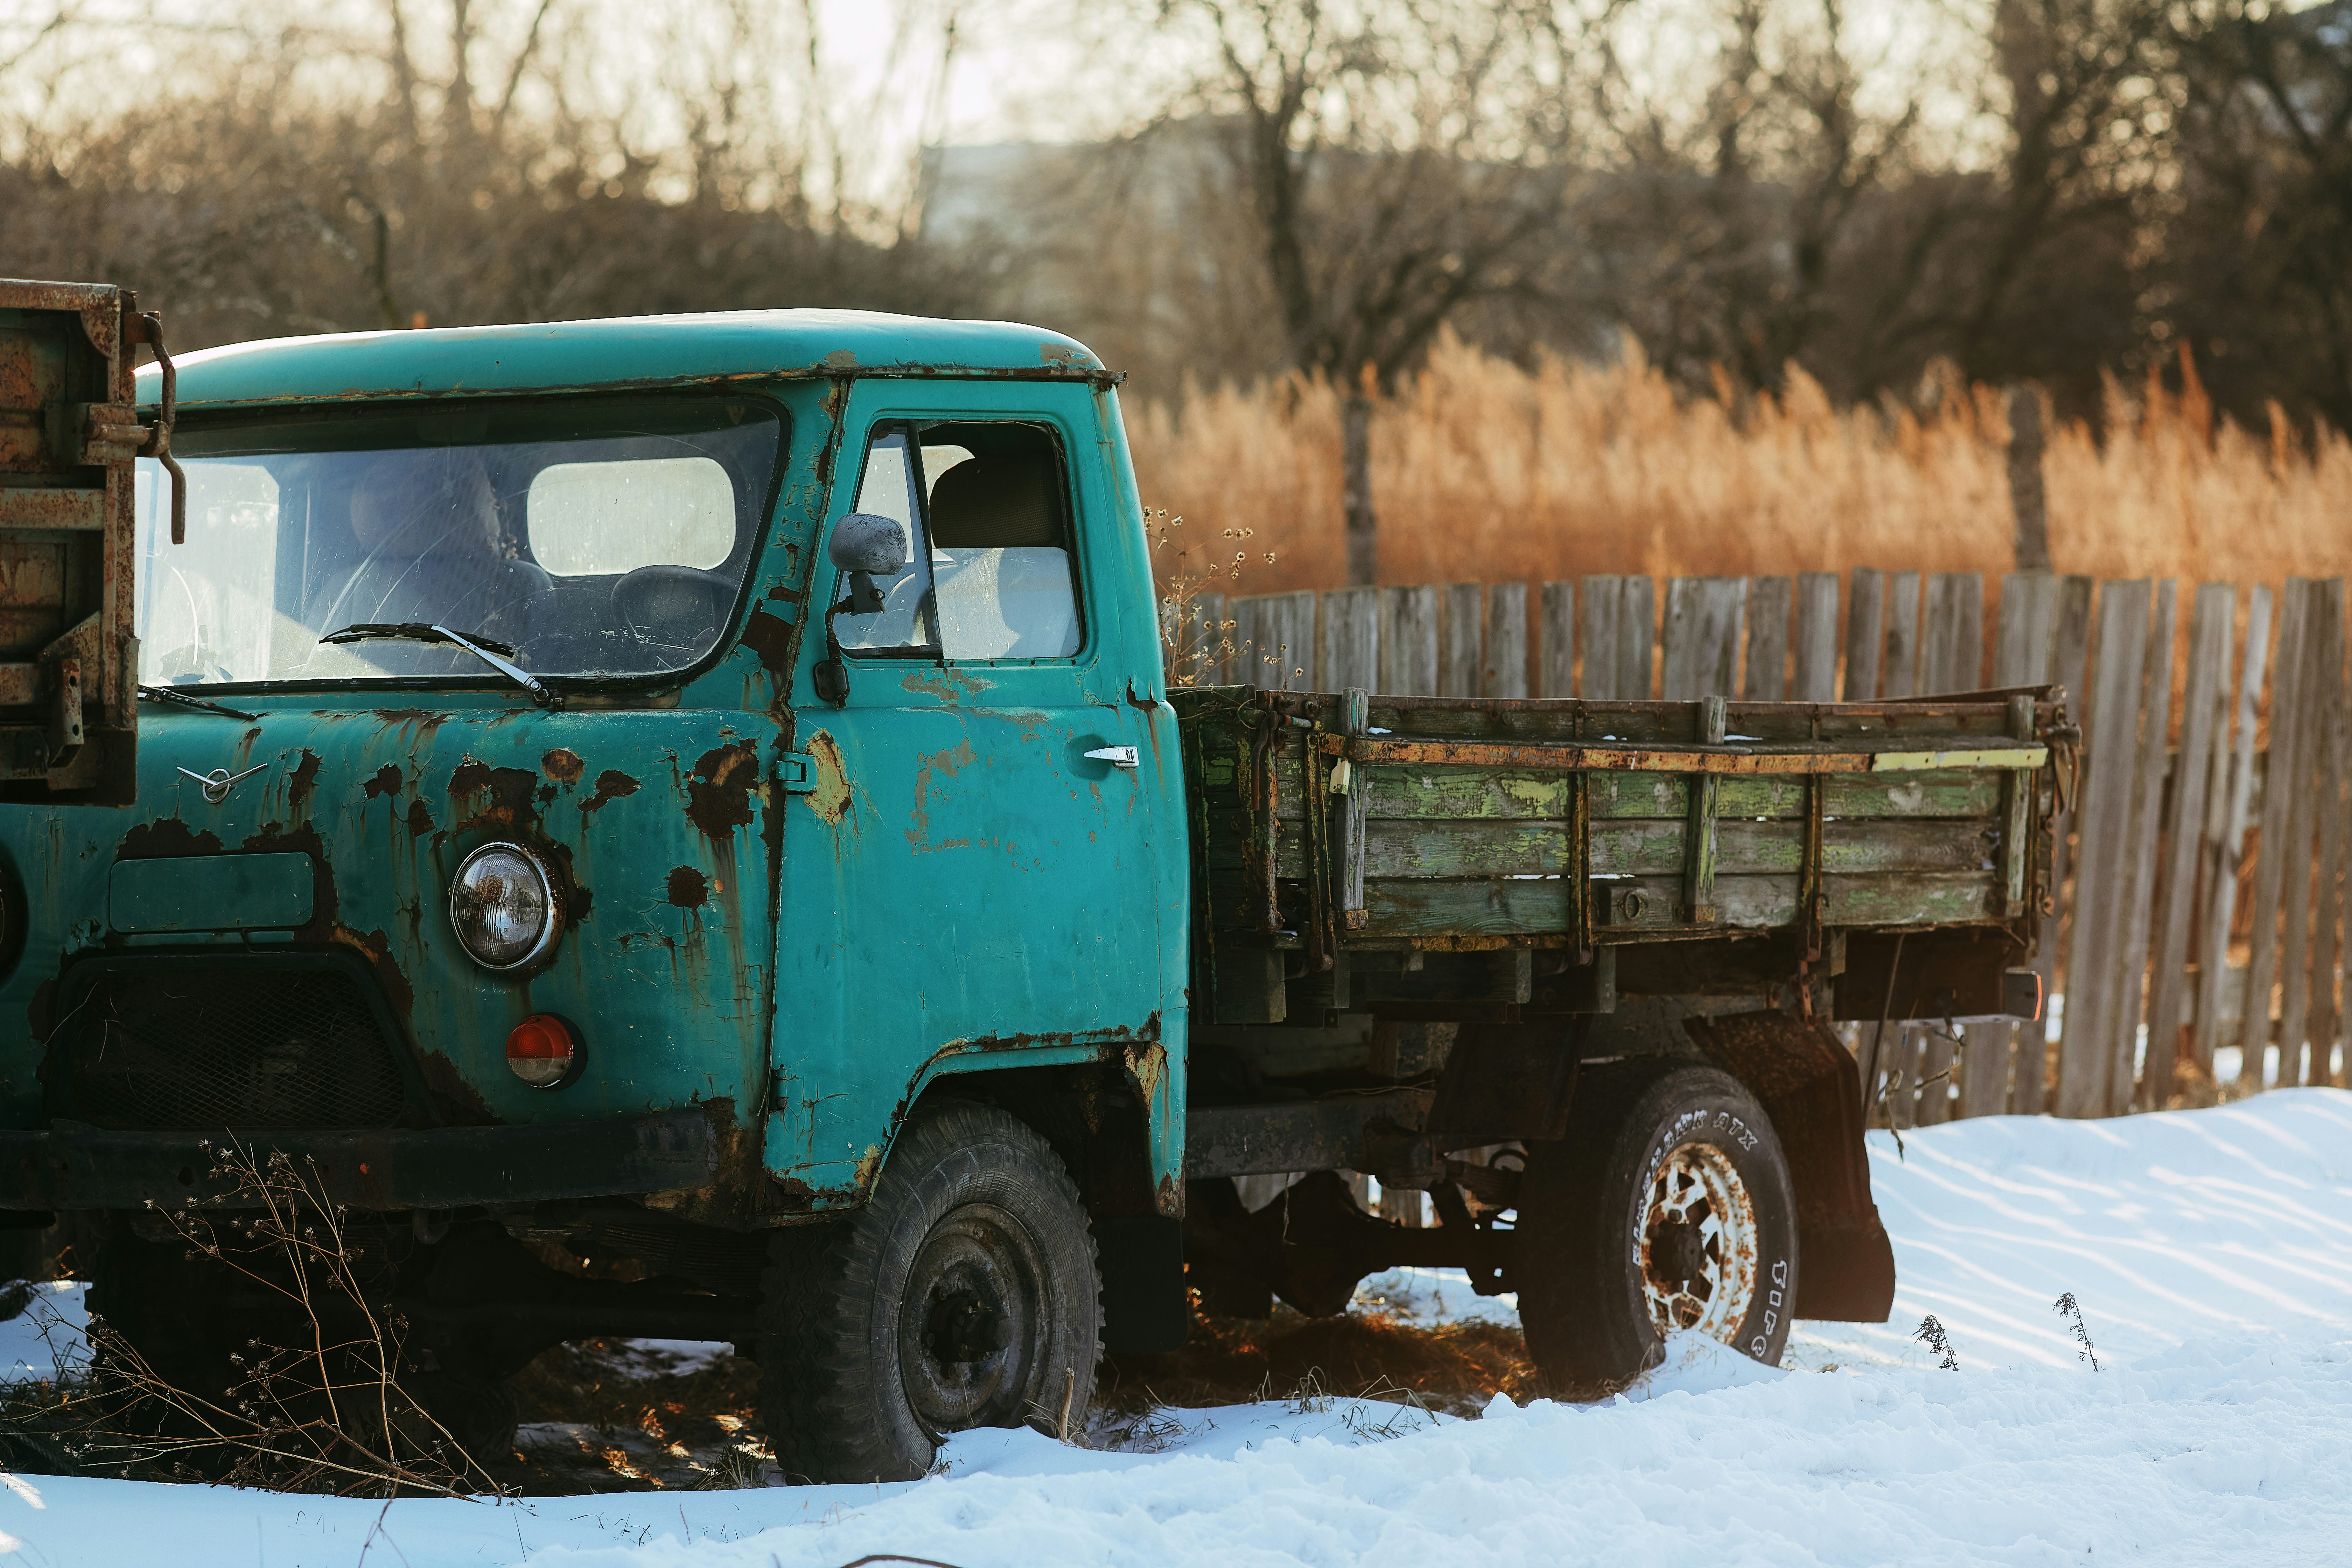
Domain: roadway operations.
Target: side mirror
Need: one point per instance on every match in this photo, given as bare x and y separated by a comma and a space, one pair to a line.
865, 546
864, 542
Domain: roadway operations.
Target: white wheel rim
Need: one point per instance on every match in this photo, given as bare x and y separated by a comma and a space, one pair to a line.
1696, 1245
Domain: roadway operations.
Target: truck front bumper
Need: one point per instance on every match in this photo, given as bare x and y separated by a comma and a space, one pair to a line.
73, 1165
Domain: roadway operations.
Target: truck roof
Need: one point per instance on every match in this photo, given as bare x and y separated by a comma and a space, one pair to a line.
718, 346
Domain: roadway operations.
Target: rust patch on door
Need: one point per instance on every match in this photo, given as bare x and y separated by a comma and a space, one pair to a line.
562, 765
949, 762
830, 798
688, 888
948, 685
386, 782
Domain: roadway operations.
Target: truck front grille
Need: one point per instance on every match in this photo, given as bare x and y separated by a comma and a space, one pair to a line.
214, 1048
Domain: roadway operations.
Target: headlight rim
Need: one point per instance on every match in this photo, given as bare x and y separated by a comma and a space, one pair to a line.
549, 892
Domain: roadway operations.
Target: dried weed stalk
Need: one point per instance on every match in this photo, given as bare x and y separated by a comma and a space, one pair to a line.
1196, 636
327, 1414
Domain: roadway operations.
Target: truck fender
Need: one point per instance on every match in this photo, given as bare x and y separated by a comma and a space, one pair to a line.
1809, 1086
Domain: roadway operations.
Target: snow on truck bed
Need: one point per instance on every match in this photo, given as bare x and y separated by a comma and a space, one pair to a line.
2210, 1250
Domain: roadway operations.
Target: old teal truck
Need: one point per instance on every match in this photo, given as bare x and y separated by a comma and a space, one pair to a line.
683, 820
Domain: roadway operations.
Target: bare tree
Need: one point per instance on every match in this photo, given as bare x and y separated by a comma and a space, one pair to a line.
2253, 262
1400, 161
457, 163
1722, 219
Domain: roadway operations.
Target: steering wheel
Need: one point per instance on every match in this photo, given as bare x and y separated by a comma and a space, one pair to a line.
633, 591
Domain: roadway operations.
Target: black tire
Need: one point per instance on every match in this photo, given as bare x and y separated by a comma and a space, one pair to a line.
1668, 1202
963, 1294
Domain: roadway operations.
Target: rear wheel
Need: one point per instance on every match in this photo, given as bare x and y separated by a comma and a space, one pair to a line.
1667, 1208
963, 1294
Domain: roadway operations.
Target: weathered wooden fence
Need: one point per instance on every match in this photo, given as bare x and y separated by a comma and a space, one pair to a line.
2202, 872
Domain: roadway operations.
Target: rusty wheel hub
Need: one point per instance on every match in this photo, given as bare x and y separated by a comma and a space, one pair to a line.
1698, 1244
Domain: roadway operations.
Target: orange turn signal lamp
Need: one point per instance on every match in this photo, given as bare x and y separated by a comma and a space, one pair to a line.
545, 1051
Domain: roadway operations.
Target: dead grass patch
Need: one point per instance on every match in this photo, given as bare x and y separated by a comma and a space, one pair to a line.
604, 1415
1456, 1367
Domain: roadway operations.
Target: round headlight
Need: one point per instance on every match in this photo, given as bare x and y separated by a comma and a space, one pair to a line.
502, 906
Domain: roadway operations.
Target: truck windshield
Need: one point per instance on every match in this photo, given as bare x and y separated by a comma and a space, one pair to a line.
597, 538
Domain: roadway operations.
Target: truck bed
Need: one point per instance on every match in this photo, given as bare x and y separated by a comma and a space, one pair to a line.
1340, 841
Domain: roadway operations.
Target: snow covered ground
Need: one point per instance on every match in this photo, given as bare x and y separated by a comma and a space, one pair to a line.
2211, 1252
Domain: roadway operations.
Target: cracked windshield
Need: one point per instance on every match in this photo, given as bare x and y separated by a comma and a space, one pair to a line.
595, 539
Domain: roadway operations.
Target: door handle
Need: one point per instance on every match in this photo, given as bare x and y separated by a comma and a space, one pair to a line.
1120, 757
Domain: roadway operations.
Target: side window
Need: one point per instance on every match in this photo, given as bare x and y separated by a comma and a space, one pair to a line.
991, 570
1005, 573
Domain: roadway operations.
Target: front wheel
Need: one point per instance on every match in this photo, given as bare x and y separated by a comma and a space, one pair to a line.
963, 1294
1667, 1208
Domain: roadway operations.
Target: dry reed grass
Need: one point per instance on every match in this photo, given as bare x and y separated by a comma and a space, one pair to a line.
1486, 471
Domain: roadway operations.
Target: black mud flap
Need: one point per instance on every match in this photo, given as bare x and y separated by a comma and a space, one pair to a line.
1812, 1088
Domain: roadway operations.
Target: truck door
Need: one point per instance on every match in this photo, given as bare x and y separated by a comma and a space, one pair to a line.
974, 870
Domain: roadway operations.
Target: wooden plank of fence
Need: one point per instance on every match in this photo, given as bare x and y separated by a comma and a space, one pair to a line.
1902, 1090
1603, 603
2228, 836
2277, 822
2327, 801
1702, 636
1217, 635
2021, 658
1637, 639
2032, 1088
1555, 667
2204, 721
2112, 757
1934, 1107
1197, 640
1900, 677
1815, 640
2303, 825
1952, 654
1408, 642
1273, 636
1766, 676
1984, 1068
2026, 627
1457, 655
1505, 672
1865, 635
2139, 864
1347, 640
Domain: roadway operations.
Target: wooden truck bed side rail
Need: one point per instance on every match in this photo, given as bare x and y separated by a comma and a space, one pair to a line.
1341, 825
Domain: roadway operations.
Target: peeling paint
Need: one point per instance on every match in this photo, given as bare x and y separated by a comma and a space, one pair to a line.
611, 785
687, 887
949, 685
830, 798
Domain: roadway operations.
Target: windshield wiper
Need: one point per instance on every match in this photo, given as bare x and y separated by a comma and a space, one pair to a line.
497, 655
182, 699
